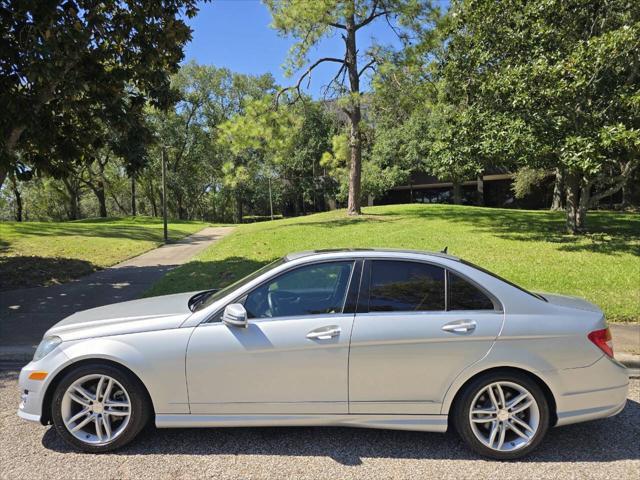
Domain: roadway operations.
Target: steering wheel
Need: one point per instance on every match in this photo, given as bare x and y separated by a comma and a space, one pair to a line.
272, 303
282, 302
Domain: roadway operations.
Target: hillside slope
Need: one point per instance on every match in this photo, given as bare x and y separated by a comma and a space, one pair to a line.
527, 247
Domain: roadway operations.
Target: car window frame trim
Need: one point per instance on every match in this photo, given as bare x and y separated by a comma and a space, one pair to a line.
209, 319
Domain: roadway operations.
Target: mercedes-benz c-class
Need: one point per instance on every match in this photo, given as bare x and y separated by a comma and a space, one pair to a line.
369, 338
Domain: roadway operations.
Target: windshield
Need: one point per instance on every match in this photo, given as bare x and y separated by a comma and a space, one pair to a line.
214, 295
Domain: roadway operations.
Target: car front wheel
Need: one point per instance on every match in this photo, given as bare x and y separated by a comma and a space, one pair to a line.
98, 408
502, 415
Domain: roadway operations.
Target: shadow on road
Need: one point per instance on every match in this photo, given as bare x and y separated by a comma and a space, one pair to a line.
598, 441
27, 313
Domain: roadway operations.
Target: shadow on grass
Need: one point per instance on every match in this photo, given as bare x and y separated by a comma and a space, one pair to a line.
104, 228
606, 440
27, 271
608, 232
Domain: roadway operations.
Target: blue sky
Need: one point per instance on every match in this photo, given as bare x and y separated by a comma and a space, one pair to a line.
236, 34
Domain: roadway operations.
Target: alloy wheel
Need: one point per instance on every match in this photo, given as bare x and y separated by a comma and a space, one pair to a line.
504, 416
96, 409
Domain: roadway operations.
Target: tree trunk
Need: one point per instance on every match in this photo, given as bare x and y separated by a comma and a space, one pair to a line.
3, 175
73, 197
133, 196
9, 146
556, 202
625, 195
572, 185
480, 191
583, 204
97, 184
102, 200
18, 197
154, 207
238, 208
457, 192
355, 140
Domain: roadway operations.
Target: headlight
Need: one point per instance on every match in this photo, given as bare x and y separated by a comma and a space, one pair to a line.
46, 346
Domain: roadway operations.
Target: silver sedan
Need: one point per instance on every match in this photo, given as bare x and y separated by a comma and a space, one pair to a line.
368, 338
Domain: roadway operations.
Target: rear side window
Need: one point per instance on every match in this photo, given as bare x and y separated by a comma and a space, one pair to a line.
406, 286
465, 296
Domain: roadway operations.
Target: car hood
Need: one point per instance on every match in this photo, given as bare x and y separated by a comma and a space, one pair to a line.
155, 313
570, 302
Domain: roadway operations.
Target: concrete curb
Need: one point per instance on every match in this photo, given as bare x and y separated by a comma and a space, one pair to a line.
629, 360
22, 354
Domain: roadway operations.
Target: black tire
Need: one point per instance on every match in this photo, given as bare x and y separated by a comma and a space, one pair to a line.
140, 406
463, 405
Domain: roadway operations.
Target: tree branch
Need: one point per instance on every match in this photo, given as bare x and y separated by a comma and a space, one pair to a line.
370, 65
618, 182
341, 71
307, 72
372, 16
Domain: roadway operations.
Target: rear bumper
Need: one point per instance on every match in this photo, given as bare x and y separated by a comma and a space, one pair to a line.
588, 393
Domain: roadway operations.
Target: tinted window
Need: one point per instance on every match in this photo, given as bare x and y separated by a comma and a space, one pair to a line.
405, 286
309, 290
465, 296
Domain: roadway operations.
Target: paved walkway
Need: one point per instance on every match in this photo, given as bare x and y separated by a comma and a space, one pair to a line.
25, 314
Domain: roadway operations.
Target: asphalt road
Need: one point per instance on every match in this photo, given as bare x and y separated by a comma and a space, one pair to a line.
25, 314
602, 449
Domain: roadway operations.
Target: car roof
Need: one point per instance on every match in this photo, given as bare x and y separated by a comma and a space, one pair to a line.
363, 252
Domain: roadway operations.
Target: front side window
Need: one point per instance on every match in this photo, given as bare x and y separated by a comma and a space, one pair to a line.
406, 286
309, 290
465, 296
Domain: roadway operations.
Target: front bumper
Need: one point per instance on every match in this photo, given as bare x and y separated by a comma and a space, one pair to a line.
32, 392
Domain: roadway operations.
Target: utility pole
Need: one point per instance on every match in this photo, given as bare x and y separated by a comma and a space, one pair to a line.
270, 198
164, 192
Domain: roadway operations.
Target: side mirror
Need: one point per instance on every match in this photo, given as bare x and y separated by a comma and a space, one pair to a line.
235, 315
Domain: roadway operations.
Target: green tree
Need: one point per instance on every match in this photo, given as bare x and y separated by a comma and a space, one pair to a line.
197, 175
310, 21
67, 64
257, 139
564, 75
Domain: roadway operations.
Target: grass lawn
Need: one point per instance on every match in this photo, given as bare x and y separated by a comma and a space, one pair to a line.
527, 247
43, 253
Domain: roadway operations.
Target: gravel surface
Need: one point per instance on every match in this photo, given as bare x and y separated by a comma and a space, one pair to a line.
602, 449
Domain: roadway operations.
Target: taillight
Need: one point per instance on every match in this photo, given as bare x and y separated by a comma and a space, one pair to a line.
602, 339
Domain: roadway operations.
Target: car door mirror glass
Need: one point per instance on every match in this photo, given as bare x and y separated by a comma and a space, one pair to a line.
235, 315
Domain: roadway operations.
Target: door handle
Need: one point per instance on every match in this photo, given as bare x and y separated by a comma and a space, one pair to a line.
324, 333
460, 326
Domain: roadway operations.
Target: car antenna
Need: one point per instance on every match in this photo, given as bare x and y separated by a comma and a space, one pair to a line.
444, 250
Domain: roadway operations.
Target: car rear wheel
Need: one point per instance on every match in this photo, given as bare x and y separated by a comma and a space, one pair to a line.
98, 408
502, 415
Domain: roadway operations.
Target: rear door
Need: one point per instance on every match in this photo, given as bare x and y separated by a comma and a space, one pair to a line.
417, 327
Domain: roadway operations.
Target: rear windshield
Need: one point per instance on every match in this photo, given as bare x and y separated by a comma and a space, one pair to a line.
539, 297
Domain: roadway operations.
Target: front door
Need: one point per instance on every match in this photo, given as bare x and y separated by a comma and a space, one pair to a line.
412, 339
292, 358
